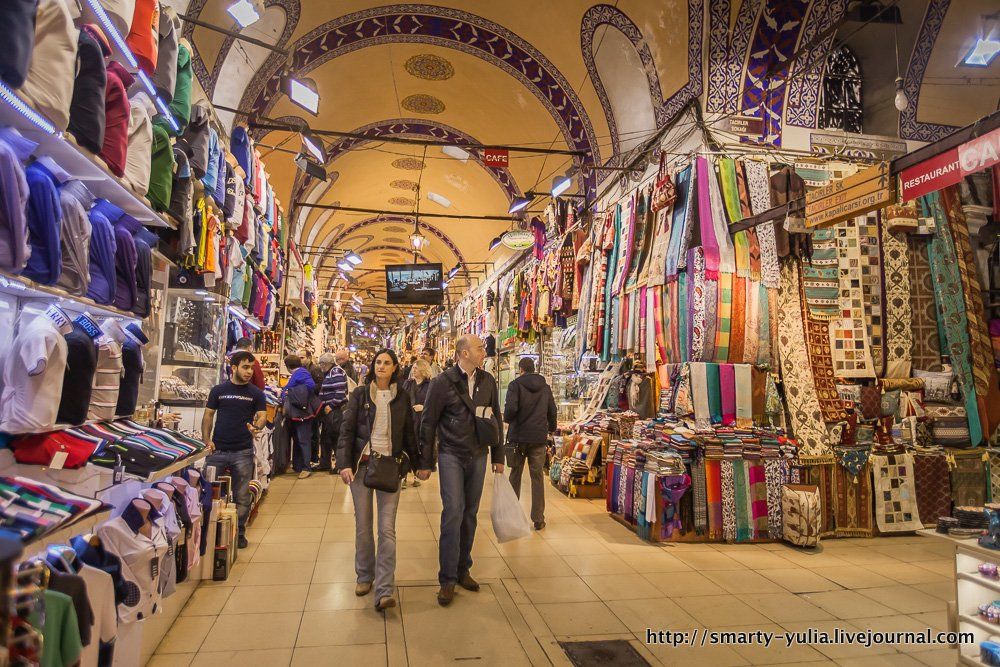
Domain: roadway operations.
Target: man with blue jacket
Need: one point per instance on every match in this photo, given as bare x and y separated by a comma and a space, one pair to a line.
301, 405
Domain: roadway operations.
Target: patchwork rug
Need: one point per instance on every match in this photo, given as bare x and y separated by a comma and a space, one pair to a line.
895, 493
849, 332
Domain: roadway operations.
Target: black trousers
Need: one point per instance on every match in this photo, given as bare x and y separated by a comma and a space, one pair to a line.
328, 436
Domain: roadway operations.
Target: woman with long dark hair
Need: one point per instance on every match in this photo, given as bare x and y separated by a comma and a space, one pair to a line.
377, 435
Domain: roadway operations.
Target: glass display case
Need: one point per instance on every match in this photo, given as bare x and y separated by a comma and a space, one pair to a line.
569, 386
193, 340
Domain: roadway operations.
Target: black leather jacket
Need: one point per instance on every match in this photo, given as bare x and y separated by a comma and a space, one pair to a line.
359, 420
447, 416
530, 409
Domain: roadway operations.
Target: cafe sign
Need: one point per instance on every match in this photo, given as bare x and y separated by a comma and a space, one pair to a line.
850, 197
950, 167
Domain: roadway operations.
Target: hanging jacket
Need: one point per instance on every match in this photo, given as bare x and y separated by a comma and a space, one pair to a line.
161, 170
17, 23
165, 77
138, 161
86, 111
49, 86
117, 111
180, 106
14, 248
144, 37
102, 258
44, 222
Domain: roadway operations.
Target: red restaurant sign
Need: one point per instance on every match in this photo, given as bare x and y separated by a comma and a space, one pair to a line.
496, 157
951, 167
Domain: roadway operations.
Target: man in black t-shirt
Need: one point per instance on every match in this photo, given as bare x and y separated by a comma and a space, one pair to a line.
238, 410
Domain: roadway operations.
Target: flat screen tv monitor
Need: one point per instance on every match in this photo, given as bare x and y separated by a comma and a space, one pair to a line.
416, 284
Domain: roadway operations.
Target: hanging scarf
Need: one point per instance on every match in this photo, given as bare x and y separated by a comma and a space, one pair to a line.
714, 384
925, 351
757, 493
657, 273
759, 187
723, 333
951, 307
871, 287
706, 224
730, 190
800, 390
744, 395
696, 306
751, 332
764, 331
727, 254
683, 329
727, 391
700, 393
713, 493
741, 495
776, 475
728, 501
626, 244
680, 225
699, 492
820, 276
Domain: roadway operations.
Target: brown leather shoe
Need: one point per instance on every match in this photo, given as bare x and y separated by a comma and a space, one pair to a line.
468, 583
363, 588
385, 603
446, 594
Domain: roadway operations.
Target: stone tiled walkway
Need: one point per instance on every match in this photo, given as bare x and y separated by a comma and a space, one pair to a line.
290, 599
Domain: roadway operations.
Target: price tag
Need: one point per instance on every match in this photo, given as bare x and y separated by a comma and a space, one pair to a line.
59, 460
119, 474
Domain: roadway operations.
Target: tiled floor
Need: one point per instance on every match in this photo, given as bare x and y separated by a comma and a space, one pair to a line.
290, 599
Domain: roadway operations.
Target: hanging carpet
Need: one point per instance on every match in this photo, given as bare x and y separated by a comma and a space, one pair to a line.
895, 493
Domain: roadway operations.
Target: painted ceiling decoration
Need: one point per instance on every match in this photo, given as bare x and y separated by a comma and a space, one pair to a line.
422, 104
424, 226
909, 126
429, 67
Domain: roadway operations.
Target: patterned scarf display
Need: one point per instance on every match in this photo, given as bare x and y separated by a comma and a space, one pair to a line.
744, 396
699, 490
759, 187
776, 475
724, 323
751, 331
737, 336
728, 500
821, 360
854, 501
898, 320
820, 276
727, 252
727, 390
706, 226
744, 512
714, 392
895, 493
926, 350
713, 491
657, 265
968, 478
933, 485
699, 395
984, 372
680, 225
951, 306
800, 389
849, 332
696, 307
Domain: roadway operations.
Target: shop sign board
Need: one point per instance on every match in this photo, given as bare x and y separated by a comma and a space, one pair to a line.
496, 157
950, 167
745, 126
827, 142
850, 197
518, 239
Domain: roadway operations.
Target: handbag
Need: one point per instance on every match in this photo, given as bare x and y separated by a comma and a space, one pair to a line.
384, 472
664, 193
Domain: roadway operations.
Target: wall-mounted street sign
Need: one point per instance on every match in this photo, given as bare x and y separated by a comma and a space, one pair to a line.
745, 126
496, 157
518, 239
848, 198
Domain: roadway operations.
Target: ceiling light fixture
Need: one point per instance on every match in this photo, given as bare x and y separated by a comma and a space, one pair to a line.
417, 240
439, 199
356, 308
302, 92
495, 243
245, 12
345, 265
454, 271
457, 153
900, 100
983, 52
519, 204
561, 185
314, 147
353, 257
357, 299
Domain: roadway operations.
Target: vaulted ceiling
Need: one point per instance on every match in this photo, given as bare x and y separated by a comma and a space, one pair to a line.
559, 74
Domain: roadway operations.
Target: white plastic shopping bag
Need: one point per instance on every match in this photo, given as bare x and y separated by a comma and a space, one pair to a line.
509, 521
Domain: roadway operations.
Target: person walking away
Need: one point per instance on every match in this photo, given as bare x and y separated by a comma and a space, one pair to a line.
530, 409
343, 357
246, 345
417, 385
333, 396
305, 355
235, 412
301, 404
377, 421
463, 413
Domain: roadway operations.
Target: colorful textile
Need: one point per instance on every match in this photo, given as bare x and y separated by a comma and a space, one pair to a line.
968, 478
759, 187
757, 480
727, 390
895, 493
724, 323
854, 501
820, 276
741, 498
737, 334
696, 325
933, 485
800, 389
994, 476
898, 320
699, 491
751, 337
870, 236
728, 500
925, 352
951, 307
775, 474
699, 393
714, 383
801, 514
680, 225
709, 241
713, 492
849, 332
744, 396
818, 341
822, 477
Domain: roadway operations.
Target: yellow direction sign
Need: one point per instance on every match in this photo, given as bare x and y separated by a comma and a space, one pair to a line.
848, 198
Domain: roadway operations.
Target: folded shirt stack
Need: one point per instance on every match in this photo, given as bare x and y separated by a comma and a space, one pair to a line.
31, 510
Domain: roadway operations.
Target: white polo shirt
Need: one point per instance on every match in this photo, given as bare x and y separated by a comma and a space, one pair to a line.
33, 369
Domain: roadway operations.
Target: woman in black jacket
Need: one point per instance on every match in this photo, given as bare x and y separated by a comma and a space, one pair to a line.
416, 386
378, 420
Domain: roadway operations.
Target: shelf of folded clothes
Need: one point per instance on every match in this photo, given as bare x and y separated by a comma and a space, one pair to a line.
79, 163
33, 511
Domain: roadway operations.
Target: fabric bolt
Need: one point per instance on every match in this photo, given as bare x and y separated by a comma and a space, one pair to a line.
14, 248
932, 482
117, 111
950, 302
898, 318
49, 86
895, 493
86, 111
925, 352
800, 390
44, 217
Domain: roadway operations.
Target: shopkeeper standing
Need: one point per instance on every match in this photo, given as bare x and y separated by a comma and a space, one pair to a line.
237, 410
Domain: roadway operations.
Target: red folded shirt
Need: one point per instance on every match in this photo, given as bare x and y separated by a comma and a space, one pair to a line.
41, 448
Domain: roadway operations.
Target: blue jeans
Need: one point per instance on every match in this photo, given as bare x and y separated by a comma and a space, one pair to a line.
461, 479
371, 566
240, 466
301, 444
